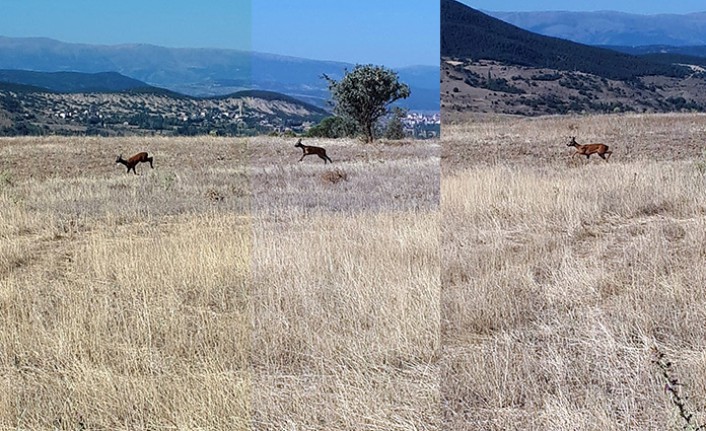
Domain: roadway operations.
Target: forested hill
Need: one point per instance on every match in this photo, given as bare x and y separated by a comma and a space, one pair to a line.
74, 82
468, 33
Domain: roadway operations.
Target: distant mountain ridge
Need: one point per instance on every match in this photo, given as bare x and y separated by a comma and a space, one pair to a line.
613, 28
204, 72
490, 66
469, 33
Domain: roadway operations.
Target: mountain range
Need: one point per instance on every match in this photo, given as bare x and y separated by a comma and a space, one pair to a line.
205, 72
469, 33
489, 65
613, 28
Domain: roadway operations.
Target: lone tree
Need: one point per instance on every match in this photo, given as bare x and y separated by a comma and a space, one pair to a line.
364, 94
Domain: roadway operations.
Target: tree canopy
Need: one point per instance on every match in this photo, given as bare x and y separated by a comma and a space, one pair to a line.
364, 95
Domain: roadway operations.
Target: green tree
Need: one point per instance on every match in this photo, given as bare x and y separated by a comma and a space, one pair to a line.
334, 127
395, 128
364, 94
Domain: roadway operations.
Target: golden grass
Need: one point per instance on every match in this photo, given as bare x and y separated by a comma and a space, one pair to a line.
560, 277
541, 141
346, 307
228, 288
234, 288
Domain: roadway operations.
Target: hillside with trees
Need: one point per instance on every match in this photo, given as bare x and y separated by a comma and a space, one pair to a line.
139, 109
468, 33
489, 66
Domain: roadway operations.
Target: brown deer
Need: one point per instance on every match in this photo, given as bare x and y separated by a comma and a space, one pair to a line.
134, 160
588, 149
307, 149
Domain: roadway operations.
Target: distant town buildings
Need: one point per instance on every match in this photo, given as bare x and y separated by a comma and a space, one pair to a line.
422, 125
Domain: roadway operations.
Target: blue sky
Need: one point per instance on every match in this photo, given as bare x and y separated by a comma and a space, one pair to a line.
388, 32
645, 7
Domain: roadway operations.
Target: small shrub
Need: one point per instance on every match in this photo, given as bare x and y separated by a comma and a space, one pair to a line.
334, 176
214, 195
6, 179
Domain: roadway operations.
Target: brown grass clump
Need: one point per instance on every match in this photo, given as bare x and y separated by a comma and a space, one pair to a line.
334, 176
559, 279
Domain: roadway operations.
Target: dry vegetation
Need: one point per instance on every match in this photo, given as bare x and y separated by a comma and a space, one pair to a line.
232, 287
491, 87
560, 276
228, 288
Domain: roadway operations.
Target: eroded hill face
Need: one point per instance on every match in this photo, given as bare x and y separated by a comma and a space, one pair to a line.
126, 114
484, 86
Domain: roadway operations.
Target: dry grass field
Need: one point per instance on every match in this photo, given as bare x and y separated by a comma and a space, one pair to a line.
561, 276
230, 287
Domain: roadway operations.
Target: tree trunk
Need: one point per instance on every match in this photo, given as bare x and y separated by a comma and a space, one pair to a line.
369, 134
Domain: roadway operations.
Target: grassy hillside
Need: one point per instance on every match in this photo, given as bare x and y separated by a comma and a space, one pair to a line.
472, 87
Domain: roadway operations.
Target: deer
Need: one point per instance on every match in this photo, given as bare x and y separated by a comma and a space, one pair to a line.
588, 149
308, 149
134, 160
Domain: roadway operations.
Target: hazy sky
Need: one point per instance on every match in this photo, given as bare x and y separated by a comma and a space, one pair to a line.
387, 32
646, 7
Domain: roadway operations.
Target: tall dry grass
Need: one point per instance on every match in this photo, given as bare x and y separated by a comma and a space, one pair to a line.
346, 320
228, 288
346, 288
559, 277
124, 298
541, 141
